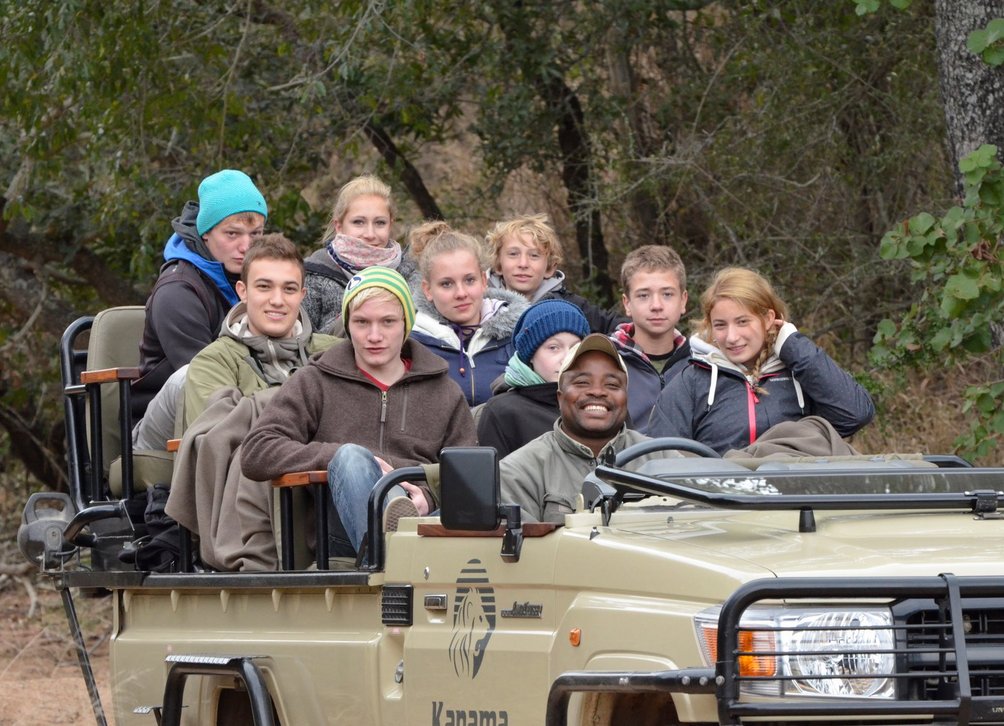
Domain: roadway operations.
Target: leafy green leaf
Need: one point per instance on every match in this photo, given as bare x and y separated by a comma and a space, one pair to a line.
921, 223
865, 7
962, 286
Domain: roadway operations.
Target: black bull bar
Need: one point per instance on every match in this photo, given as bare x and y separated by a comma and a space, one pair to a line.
952, 654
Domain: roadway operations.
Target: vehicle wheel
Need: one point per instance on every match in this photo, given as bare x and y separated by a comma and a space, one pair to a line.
637, 709
666, 443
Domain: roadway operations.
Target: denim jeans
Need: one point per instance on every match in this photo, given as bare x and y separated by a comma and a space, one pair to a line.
351, 475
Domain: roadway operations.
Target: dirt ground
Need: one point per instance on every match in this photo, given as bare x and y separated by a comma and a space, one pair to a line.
40, 678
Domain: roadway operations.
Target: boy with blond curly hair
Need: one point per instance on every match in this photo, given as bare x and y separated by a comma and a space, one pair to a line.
526, 254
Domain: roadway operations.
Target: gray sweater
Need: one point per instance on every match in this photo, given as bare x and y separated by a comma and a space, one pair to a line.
545, 477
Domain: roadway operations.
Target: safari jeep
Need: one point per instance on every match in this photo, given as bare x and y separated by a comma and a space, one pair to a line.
693, 590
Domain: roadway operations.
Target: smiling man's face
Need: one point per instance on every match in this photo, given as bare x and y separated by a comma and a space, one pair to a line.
592, 397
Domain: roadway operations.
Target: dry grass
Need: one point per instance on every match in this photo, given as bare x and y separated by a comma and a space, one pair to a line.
921, 411
40, 679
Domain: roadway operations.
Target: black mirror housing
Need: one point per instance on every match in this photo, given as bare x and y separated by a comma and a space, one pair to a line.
469, 488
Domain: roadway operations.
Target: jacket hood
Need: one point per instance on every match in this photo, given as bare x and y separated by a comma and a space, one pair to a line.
547, 285
499, 313
322, 260
272, 359
184, 226
178, 248
703, 353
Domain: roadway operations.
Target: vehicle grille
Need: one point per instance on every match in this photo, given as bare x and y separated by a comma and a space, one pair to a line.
948, 651
928, 644
396, 604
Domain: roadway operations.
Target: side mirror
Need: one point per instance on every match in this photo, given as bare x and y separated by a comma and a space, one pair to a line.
469, 488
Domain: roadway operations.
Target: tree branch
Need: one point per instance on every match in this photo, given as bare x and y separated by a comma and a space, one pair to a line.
62, 250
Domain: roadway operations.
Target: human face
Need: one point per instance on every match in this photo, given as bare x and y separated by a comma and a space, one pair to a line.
655, 303
456, 286
273, 294
592, 398
367, 218
551, 354
522, 264
376, 328
739, 332
229, 240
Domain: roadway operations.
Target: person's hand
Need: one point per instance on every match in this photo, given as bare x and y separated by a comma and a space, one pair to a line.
417, 497
385, 468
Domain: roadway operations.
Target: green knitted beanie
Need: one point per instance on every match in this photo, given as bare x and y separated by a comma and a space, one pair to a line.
387, 279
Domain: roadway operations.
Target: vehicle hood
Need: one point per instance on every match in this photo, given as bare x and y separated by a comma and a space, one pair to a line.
716, 550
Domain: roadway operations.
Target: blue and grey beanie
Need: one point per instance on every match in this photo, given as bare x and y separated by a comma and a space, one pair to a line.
544, 319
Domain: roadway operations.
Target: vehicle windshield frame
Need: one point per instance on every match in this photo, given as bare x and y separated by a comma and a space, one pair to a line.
963, 488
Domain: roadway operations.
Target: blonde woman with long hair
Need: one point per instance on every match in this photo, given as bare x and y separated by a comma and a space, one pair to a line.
751, 369
359, 235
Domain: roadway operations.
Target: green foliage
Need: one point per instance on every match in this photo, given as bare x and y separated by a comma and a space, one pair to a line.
864, 7
957, 262
988, 43
775, 134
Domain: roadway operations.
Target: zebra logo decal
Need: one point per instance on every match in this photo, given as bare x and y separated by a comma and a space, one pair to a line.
473, 619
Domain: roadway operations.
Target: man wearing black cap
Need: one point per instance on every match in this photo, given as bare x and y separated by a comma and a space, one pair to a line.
545, 476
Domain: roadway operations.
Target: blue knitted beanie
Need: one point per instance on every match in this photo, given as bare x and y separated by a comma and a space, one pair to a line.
224, 193
542, 320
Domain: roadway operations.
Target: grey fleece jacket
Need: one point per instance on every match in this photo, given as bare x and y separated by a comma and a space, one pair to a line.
714, 402
545, 477
325, 281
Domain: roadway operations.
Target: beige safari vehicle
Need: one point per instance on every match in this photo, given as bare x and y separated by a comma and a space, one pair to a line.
689, 590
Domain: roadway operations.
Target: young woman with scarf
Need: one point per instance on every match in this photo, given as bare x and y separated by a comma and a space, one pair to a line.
358, 236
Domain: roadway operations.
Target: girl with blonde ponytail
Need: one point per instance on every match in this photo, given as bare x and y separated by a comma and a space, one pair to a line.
751, 369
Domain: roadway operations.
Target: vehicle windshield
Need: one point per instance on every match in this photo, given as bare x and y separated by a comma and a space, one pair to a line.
790, 485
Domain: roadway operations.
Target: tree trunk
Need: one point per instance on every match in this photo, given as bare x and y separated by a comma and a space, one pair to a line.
972, 91
575, 149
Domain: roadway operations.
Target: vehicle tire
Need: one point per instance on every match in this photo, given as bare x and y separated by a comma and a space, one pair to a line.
637, 709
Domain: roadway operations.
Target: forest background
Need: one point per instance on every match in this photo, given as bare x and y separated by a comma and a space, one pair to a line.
817, 142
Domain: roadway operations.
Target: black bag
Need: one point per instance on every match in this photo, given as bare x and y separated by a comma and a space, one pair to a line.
160, 549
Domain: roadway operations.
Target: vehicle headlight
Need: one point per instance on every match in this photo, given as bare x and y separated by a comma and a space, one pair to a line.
828, 652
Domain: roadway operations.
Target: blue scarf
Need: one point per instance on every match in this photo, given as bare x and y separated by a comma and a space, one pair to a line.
176, 249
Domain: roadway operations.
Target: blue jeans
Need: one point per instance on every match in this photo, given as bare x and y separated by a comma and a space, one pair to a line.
351, 475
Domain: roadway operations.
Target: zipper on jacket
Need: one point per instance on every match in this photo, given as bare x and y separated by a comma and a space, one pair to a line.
383, 415
751, 402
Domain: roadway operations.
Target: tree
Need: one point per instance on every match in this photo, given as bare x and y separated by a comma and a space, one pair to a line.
773, 134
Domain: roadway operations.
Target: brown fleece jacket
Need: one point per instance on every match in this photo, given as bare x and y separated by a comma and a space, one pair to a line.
330, 402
